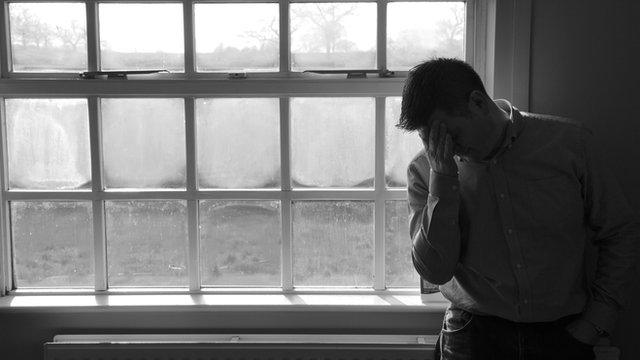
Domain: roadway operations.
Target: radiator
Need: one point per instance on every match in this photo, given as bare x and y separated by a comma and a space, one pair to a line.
240, 347
254, 347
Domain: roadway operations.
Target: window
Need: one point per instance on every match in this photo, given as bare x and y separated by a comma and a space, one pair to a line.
239, 168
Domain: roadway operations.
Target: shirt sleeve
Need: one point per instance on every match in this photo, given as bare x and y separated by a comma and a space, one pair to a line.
617, 234
433, 222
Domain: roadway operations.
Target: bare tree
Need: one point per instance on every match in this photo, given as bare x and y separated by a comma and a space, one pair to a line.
267, 36
72, 36
329, 30
23, 25
450, 31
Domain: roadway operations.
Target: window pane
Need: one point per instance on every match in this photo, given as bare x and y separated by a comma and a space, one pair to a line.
141, 37
333, 243
240, 242
147, 243
238, 143
231, 37
419, 31
52, 244
332, 142
333, 36
400, 147
399, 266
144, 143
48, 144
48, 37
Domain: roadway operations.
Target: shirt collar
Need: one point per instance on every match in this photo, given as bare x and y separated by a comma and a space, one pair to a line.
514, 125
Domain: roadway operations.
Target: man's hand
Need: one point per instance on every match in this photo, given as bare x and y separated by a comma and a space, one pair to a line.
583, 331
439, 148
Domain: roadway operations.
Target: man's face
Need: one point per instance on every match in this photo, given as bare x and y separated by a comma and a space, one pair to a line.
468, 134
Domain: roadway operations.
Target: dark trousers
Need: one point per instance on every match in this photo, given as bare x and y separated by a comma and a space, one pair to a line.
466, 336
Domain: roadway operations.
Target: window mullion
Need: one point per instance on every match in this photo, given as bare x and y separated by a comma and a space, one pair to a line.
93, 36
5, 41
192, 204
99, 227
382, 34
285, 63
379, 248
285, 198
5, 227
189, 38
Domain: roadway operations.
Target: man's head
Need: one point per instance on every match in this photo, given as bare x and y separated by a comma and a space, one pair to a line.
450, 91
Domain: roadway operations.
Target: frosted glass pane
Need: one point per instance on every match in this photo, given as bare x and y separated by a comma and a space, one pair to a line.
141, 37
48, 37
399, 266
418, 31
333, 36
144, 143
238, 143
147, 243
400, 146
332, 243
240, 243
52, 244
332, 142
232, 37
48, 144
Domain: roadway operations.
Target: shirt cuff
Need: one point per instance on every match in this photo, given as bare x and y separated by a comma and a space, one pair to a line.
601, 316
443, 186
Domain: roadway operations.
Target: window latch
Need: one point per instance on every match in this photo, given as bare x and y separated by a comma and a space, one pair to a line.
118, 75
355, 74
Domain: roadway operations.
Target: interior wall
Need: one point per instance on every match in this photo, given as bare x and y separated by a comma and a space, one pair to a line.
23, 332
584, 64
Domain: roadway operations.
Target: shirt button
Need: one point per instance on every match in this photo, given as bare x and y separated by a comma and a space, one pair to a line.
519, 266
510, 231
525, 301
502, 196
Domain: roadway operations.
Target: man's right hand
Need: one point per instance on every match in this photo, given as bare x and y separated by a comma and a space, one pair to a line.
439, 148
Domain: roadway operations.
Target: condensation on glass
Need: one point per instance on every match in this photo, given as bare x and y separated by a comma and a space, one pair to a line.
417, 31
400, 147
144, 143
240, 243
333, 35
48, 37
52, 244
237, 37
141, 36
238, 143
333, 243
332, 142
146, 243
399, 271
48, 144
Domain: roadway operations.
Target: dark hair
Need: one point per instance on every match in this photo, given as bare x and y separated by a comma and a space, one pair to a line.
441, 83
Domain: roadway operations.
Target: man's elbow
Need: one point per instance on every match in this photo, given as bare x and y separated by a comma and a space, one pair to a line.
437, 275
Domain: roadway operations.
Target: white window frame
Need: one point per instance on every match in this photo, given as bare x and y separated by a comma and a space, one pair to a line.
482, 47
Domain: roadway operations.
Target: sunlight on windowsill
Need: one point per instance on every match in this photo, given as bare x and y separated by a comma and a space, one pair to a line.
232, 302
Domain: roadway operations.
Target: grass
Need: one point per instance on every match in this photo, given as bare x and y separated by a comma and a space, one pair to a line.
240, 244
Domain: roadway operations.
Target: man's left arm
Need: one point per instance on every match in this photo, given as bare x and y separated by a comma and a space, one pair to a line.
617, 235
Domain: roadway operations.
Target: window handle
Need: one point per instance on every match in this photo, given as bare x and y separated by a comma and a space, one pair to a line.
355, 74
121, 75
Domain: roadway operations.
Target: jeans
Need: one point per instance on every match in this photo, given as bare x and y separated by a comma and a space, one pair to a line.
467, 336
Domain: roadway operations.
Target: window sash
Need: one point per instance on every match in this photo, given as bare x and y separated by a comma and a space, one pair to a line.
190, 85
93, 36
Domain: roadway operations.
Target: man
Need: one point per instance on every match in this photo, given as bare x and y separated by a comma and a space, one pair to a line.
502, 203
